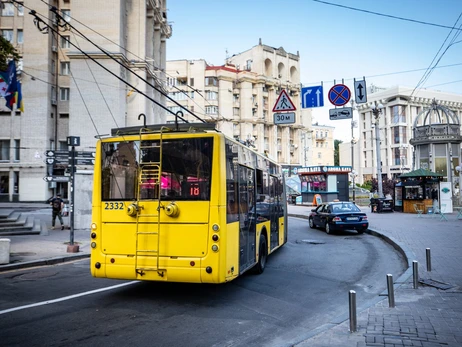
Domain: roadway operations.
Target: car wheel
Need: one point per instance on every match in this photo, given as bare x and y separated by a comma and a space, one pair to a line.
262, 254
311, 222
328, 228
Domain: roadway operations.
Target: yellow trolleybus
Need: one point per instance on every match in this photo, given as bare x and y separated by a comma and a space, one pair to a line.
183, 203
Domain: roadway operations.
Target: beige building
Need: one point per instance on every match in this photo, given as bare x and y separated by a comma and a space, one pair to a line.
66, 93
239, 98
322, 143
400, 108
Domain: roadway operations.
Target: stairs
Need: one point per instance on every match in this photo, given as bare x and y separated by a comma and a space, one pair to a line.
14, 222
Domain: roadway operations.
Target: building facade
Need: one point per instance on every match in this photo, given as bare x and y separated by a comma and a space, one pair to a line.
395, 124
239, 98
71, 88
322, 145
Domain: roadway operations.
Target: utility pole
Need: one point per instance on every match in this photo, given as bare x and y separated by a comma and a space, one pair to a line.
376, 111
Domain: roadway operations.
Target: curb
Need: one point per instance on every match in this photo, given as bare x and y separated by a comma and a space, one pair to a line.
43, 262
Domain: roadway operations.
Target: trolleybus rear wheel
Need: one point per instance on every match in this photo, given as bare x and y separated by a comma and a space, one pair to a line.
262, 254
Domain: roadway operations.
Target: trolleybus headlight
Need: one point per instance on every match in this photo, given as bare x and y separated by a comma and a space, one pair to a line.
93, 226
93, 245
215, 248
215, 237
208, 269
93, 235
97, 265
216, 227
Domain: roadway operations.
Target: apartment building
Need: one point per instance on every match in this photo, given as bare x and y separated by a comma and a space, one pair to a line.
401, 106
322, 142
239, 97
71, 88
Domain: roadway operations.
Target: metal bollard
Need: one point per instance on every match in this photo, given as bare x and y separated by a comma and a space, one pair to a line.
391, 292
429, 260
352, 301
415, 273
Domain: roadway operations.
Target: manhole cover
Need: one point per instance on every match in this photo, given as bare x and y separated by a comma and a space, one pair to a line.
311, 242
436, 284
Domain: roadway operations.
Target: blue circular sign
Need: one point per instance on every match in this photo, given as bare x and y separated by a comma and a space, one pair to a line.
339, 95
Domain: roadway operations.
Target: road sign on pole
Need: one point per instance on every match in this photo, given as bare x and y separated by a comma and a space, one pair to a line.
283, 103
56, 179
312, 97
360, 92
341, 113
284, 118
339, 95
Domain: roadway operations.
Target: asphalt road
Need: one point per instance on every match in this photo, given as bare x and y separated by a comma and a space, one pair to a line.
304, 286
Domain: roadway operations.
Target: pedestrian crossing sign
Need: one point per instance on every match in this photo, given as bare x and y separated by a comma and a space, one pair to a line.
283, 103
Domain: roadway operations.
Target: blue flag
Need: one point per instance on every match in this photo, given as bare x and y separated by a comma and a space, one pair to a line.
13, 93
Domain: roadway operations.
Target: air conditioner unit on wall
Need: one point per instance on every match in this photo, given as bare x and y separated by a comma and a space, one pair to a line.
53, 102
54, 48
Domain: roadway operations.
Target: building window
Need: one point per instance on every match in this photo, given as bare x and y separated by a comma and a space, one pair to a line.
174, 109
248, 65
399, 135
20, 10
399, 114
4, 149
17, 145
7, 34
65, 68
64, 94
64, 115
191, 82
63, 145
211, 81
171, 81
319, 155
236, 111
4, 183
8, 9
211, 95
65, 42
192, 95
66, 15
211, 109
20, 37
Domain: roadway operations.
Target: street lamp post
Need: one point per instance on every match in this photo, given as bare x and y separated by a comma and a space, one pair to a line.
353, 150
376, 109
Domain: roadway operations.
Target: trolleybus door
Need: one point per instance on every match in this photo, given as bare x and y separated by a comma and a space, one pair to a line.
246, 228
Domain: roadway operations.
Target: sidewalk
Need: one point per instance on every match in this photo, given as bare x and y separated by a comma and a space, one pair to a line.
425, 316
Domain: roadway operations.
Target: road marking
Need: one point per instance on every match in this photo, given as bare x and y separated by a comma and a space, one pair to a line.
70, 297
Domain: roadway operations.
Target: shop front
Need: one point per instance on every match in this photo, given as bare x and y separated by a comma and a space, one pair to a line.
417, 191
324, 183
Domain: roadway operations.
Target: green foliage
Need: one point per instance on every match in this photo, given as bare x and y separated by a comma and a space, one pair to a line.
7, 51
388, 186
336, 152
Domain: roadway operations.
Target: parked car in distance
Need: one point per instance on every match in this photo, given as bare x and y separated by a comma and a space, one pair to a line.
339, 215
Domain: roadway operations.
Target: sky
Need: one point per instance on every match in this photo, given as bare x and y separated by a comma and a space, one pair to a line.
338, 40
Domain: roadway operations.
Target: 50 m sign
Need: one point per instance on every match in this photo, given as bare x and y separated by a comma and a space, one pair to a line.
284, 118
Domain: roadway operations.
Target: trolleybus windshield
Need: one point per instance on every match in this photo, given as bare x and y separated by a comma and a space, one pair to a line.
185, 169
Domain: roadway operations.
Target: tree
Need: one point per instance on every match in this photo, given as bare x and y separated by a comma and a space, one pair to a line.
336, 152
7, 51
388, 186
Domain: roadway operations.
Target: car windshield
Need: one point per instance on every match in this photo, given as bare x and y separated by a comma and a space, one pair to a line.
344, 207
